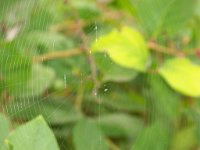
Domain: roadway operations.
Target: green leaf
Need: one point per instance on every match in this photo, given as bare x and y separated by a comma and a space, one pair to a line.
122, 99
164, 15
41, 78
86, 9
5, 6
4, 128
14, 13
127, 6
55, 110
12, 61
120, 125
87, 136
32, 14
71, 71
112, 71
33, 135
39, 20
15, 67
182, 75
44, 14
126, 48
193, 113
162, 101
184, 139
50, 40
154, 137
197, 12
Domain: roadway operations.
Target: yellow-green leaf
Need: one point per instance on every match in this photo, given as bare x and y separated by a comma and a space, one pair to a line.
125, 47
182, 75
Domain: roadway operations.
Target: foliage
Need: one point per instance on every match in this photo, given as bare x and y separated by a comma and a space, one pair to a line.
99, 74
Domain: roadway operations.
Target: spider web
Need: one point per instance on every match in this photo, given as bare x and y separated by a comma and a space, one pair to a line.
16, 22
22, 34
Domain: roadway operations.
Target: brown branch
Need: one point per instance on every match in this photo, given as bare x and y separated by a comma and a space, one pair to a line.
73, 52
86, 51
79, 97
161, 49
55, 55
112, 145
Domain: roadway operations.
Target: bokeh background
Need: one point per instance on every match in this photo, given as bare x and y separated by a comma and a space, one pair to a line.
99, 74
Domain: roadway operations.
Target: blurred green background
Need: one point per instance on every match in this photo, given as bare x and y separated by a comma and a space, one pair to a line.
99, 74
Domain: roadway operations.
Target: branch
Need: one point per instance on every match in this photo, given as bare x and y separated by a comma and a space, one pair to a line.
74, 52
55, 55
86, 51
161, 49
112, 145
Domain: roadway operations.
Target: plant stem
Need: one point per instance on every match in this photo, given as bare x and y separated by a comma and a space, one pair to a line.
79, 98
86, 51
73, 52
58, 54
161, 49
112, 145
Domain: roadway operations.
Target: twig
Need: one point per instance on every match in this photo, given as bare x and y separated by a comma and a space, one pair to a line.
55, 55
89, 57
79, 98
161, 49
112, 145
74, 52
